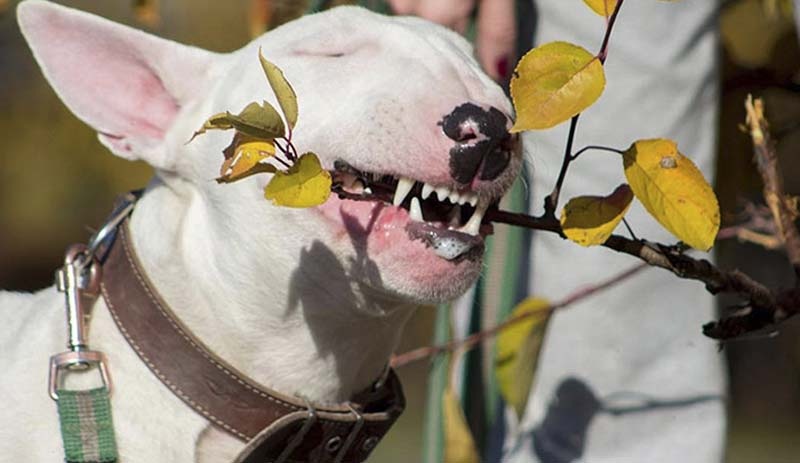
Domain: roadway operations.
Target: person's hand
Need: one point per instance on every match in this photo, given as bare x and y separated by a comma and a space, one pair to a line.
496, 27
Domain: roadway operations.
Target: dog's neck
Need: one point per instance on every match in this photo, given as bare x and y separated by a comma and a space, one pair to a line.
301, 330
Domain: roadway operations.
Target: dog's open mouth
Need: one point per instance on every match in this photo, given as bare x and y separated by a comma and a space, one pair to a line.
447, 220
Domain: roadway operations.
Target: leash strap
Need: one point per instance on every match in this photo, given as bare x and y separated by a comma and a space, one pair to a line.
86, 427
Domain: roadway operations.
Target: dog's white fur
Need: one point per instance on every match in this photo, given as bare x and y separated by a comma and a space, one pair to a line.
297, 304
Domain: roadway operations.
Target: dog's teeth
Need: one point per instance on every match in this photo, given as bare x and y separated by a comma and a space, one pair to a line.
442, 193
368, 190
472, 199
473, 225
426, 191
416, 210
404, 186
454, 197
463, 199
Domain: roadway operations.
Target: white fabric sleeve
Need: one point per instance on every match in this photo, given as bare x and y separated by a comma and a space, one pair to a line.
626, 376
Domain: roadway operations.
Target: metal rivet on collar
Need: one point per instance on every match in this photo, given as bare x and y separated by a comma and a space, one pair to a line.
333, 444
369, 443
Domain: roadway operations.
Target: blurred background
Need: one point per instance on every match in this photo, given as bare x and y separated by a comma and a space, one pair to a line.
56, 182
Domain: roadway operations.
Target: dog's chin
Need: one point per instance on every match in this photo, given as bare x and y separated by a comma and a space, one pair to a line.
408, 260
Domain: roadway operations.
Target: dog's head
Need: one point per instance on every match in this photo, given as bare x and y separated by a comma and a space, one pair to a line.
395, 102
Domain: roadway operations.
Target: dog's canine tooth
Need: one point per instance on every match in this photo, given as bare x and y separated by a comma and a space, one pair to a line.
404, 186
416, 210
442, 193
473, 225
426, 191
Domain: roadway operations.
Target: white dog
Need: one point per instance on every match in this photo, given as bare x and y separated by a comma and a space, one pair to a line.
307, 302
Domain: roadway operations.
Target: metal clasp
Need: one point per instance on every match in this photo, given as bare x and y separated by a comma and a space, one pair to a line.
76, 360
78, 278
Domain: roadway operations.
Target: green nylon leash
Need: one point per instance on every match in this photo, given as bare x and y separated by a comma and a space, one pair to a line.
87, 430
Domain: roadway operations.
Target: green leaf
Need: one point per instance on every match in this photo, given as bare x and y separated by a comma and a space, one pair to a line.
673, 190
255, 120
219, 121
259, 121
517, 352
590, 220
306, 184
283, 90
554, 82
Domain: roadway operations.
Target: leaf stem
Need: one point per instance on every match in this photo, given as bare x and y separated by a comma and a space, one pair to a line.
551, 202
603, 55
630, 230
595, 147
284, 163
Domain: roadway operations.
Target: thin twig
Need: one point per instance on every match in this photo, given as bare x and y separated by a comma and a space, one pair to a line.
747, 235
783, 207
476, 338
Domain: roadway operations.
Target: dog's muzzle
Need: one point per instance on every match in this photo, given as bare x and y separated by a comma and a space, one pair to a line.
483, 144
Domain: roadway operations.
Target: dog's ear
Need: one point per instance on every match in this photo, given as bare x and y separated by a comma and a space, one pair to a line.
125, 83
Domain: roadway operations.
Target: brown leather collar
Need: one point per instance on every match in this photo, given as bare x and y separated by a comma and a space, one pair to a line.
273, 425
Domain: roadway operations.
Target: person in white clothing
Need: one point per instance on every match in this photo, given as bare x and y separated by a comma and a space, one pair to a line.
626, 376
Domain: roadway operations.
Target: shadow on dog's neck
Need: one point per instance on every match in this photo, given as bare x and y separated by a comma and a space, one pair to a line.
295, 323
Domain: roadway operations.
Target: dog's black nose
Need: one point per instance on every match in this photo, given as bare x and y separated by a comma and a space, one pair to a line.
483, 145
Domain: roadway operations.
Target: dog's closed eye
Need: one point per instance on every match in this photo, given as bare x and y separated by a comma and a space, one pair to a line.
330, 50
322, 53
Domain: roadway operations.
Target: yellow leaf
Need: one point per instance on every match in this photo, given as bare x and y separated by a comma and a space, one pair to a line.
590, 220
602, 7
459, 447
554, 82
306, 184
517, 352
673, 190
249, 157
283, 90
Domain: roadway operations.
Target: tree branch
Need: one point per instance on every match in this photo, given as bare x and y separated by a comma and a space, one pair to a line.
766, 307
783, 207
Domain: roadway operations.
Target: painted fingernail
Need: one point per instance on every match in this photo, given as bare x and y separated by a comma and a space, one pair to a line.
501, 66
